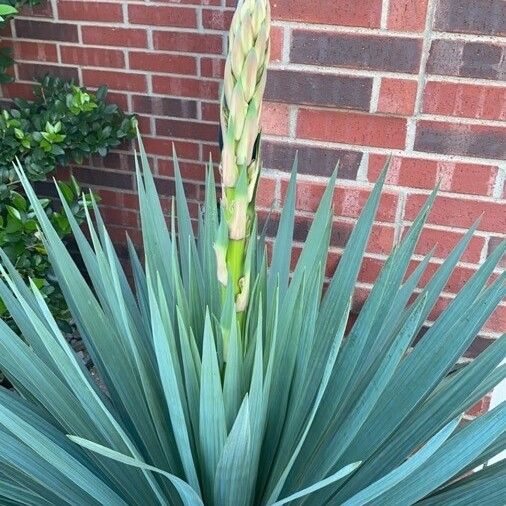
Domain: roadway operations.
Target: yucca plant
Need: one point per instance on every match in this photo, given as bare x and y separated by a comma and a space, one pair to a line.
298, 413
206, 400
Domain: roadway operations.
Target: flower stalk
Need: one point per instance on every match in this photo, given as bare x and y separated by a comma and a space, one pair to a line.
241, 104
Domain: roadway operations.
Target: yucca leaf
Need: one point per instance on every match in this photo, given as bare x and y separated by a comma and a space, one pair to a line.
187, 494
87, 484
321, 484
457, 451
212, 422
483, 487
231, 486
369, 494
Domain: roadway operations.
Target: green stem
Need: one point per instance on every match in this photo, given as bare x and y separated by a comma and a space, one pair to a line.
235, 262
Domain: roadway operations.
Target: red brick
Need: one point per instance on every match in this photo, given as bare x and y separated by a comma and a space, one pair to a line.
480, 141
461, 213
497, 321
43, 10
94, 57
352, 128
194, 171
356, 51
119, 99
380, 241
35, 71
38, 51
119, 199
330, 12
407, 15
212, 67
166, 63
115, 80
46, 31
277, 43
484, 17
493, 243
17, 90
397, 96
162, 16
458, 278
121, 37
188, 42
465, 100
90, 11
348, 201
480, 408
217, 19
275, 118
186, 129
185, 87
210, 111
163, 147
116, 216
445, 240
456, 177
266, 194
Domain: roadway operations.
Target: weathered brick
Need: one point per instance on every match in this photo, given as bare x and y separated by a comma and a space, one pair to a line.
330, 12
312, 160
348, 201
212, 67
187, 129
115, 80
34, 71
43, 10
457, 139
158, 15
275, 119
266, 192
352, 128
38, 51
117, 216
214, 19
444, 241
121, 37
467, 59
493, 243
277, 43
90, 11
160, 62
163, 147
164, 106
185, 87
471, 16
473, 179
45, 30
94, 57
455, 212
407, 15
188, 42
210, 111
105, 178
319, 89
395, 54
397, 96
465, 100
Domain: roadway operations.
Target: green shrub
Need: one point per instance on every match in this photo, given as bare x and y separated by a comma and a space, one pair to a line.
63, 124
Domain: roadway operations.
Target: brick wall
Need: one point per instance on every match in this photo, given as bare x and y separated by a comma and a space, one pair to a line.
350, 81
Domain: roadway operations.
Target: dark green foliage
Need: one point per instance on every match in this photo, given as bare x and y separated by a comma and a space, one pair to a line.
62, 125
